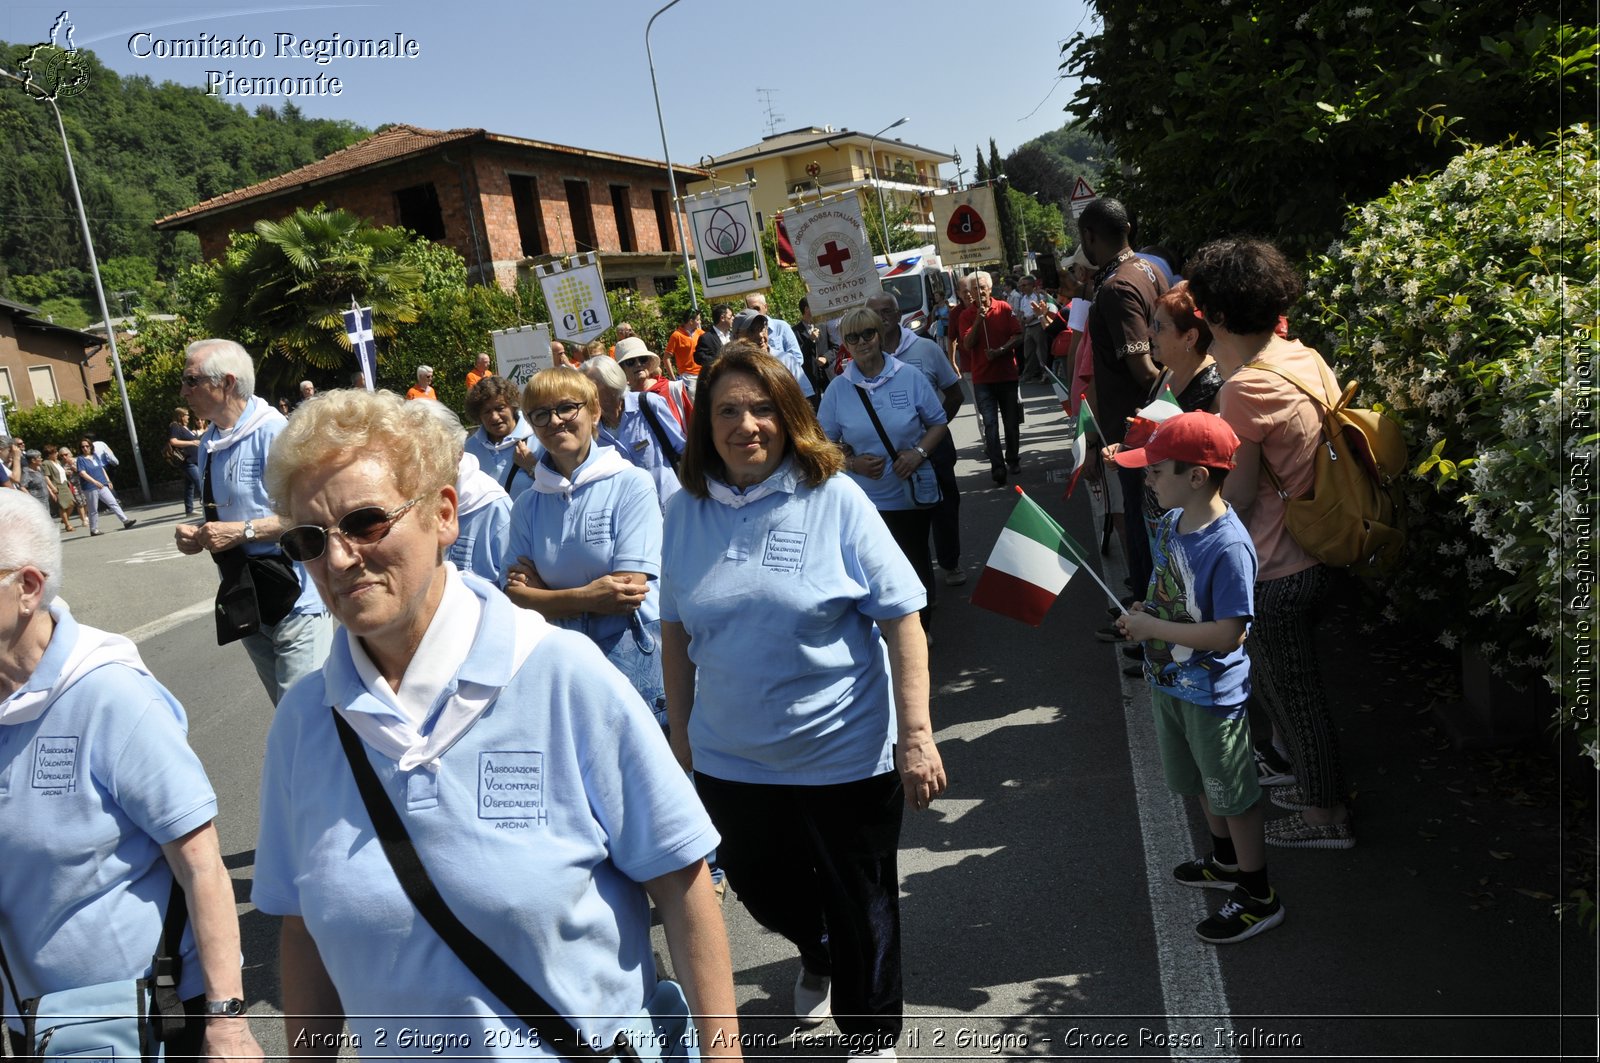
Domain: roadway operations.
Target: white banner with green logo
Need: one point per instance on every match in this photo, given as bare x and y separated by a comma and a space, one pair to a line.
727, 242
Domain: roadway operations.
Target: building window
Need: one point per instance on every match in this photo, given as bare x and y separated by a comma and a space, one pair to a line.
582, 216
663, 205
665, 285
43, 382
5, 386
624, 215
761, 226
530, 219
418, 208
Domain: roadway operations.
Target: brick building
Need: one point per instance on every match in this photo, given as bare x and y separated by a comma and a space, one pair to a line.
42, 362
504, 203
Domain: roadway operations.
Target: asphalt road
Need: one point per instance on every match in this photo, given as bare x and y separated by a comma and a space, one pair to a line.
1039, 919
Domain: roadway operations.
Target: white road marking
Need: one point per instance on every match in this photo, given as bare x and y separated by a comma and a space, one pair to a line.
160, 627
1191, 978
144, 557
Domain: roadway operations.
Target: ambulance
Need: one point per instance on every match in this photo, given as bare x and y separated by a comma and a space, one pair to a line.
919, 283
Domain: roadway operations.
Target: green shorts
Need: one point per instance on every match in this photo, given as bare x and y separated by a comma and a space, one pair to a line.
1202, 754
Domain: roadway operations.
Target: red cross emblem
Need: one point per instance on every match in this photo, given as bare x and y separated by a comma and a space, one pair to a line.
835, 257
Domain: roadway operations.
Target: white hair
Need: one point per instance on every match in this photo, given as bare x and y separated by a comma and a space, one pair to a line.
306, 384
446, 417
606, 374
981, 277
756, 301
423, 369
29, 536
224, 358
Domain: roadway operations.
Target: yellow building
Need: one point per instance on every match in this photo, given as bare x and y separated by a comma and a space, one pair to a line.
796, 166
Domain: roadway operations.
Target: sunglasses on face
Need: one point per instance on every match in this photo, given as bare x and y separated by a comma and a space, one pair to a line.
861, 337
362, 527
563, 413
194, 380
635, 364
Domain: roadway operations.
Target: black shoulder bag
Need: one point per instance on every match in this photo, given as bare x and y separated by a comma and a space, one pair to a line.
255, 589
925, 491
498, 977
660, 433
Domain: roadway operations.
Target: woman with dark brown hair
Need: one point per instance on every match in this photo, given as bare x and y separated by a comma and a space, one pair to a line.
1243, 287
778, 576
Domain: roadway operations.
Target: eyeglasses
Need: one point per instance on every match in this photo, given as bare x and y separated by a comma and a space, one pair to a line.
632, 364
362, 527
194, 380
861, 337
563, 413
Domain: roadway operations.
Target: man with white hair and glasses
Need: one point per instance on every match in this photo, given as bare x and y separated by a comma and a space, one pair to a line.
265, 600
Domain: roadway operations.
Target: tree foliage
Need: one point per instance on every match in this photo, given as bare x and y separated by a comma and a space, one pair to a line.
283, 288
142, 151
1271, 118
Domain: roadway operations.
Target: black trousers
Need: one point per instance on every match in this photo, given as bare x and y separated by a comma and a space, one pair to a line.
909, 527
1135, 539
947, 514
818, 864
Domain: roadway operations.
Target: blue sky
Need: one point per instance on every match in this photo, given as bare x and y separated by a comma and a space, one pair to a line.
575, 72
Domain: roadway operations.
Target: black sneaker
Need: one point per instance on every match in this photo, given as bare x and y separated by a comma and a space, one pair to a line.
1110, 633
1271, 770
129, 523
1241, 917
998, 476
1134, 651
1205, 873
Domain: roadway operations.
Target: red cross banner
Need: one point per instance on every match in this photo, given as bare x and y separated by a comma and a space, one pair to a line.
966, 226
833, 254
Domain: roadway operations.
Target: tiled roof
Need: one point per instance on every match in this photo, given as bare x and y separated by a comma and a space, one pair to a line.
29, 317
392, 145
784, 143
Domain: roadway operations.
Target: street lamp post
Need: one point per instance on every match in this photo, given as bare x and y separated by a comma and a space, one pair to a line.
99, 289
672, 177
877, 182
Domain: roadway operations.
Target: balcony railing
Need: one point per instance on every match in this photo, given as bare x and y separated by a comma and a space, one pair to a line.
860, 174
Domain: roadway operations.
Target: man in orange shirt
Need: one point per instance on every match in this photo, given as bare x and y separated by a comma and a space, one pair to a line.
478, 371
680, 348
423, 388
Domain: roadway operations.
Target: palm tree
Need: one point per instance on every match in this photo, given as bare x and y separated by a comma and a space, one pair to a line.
282, 290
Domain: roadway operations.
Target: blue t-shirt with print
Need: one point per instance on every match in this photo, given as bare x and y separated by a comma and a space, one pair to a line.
1199, 576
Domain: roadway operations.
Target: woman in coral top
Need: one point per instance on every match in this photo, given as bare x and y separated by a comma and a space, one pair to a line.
1242, 288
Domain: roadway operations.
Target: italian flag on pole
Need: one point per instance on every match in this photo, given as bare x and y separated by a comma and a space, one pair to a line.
1080, 445
1029, 566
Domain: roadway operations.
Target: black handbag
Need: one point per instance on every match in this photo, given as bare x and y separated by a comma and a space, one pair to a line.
671, 1036
924, 482
255, 590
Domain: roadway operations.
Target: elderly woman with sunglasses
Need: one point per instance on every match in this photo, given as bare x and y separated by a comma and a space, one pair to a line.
107, 806
534, 785
638, 425
586, 540
904, 407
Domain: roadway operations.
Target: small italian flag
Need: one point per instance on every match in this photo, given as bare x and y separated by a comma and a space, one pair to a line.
1063, 393
1029, 566
1165, 406
1080, 444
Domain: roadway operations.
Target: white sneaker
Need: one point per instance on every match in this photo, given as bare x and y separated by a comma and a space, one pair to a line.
813, 998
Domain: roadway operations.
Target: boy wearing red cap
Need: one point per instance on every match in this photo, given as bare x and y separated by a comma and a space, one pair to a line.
1193, 623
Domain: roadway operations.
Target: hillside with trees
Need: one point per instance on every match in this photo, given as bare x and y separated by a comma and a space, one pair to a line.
142, 150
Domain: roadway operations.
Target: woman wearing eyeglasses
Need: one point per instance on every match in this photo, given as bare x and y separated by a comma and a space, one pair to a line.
896, 476
587, 538
105, 807
542, 803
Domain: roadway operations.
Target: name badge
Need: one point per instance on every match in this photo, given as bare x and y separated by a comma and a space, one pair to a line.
900, 400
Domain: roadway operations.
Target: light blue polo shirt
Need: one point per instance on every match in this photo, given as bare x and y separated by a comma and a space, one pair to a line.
906, 404
495, 458
923, 355
611, 525
537, 829
780, 600
634, 439
89, 792
239, 486
483, 543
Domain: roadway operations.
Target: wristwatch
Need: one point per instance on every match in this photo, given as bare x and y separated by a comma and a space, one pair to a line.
231, 1008
924, 453
249, 531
